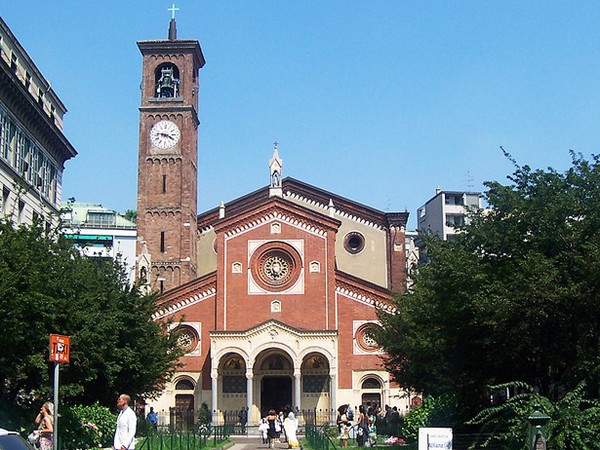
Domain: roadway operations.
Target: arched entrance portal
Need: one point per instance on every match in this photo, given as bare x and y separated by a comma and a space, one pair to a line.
371, 388
274, 370
275, 393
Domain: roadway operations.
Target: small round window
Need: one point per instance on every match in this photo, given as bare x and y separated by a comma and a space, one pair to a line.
187, 338
354, 242
364, 338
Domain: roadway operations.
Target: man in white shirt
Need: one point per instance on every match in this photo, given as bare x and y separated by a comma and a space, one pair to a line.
126, 424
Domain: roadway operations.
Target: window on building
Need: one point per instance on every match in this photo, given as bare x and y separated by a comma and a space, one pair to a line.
371, 383
40, 97
454, 199
315, 383
455, 220
234, 384
5, 195
21, 216
184, 385
27, 80
162, 241
101, 218
13, 62
164, 184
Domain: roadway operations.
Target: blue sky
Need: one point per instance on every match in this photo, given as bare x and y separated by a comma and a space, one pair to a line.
379, 101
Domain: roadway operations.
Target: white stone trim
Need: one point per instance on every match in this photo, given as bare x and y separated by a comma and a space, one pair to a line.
344, 214
364, 299
272, 217
182, 304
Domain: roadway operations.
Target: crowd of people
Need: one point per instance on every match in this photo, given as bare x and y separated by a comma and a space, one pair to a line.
367, 424
279, 427
364, 425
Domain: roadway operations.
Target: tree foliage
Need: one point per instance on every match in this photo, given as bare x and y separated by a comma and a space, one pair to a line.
48, 287
574, 420
513, 297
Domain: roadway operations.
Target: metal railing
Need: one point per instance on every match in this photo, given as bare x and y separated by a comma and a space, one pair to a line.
318, 438
190, 440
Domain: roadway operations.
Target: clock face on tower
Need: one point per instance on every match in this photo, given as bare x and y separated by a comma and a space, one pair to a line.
164, 134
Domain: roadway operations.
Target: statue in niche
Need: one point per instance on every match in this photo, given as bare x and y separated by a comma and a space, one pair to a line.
275, 179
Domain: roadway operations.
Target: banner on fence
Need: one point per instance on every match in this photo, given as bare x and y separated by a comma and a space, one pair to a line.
435, 438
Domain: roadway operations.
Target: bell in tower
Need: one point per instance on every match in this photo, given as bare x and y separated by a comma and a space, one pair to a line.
167, 84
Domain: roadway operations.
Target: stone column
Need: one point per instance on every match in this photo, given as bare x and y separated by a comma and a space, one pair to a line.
249, 396
214, 375
333, 388
297, 390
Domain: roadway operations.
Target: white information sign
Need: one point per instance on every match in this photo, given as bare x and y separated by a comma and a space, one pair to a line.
435, 438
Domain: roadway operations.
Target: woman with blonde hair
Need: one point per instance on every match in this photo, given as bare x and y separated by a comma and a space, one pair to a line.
45, 422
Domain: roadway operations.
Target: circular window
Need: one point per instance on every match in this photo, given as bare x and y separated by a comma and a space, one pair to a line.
354, 242
364, 338
187, 338
276, 266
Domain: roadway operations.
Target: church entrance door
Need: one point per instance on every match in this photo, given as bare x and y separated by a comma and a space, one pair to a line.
275, 393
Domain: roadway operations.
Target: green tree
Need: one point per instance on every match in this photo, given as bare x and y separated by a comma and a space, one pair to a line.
574, 420
131, 214
48, 287
513, 297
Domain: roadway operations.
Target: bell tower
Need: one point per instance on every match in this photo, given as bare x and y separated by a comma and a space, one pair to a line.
167, 161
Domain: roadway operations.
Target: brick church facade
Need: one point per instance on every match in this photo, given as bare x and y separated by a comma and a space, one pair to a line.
276, 290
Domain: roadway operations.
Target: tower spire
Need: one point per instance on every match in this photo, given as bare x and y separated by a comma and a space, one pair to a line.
275, 168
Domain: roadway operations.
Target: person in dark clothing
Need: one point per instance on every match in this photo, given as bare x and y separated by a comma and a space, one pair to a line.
243, 417
272, 434
362, 426
394, 422
386, 419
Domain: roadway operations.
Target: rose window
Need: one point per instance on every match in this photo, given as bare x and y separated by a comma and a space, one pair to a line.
187, 338
369, 341
365, 340
276, 266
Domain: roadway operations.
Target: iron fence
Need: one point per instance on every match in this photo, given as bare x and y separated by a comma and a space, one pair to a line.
318, 438
177, 420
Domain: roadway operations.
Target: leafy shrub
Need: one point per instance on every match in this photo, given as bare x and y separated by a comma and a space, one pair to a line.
434, 412
574, 420
87, 427
204, 415
17, 418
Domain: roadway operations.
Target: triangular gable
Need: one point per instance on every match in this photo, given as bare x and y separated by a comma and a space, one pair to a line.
296, 189
275, 208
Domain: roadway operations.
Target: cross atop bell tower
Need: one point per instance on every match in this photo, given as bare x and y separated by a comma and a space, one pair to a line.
167, 160
172, 26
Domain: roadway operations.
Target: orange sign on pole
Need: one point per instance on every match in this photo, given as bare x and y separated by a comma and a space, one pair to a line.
59, 348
